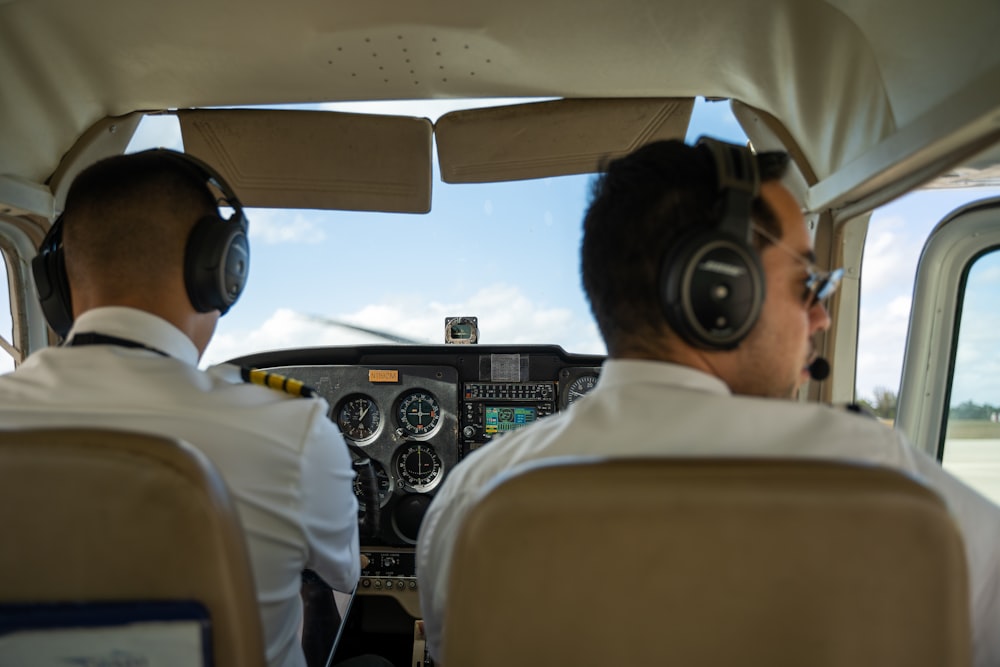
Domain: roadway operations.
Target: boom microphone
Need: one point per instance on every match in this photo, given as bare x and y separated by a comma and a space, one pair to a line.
819, 369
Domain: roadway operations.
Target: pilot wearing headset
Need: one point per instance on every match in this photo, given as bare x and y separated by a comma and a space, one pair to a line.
700, 273
134, 276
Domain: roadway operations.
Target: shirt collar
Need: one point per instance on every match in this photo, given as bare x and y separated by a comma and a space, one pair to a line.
139, 326
616, 372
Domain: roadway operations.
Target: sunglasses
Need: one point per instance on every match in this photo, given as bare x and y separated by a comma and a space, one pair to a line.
820, 284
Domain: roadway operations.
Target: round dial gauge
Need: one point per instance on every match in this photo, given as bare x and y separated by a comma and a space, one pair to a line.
359, 417
419, 413
419, 467
384, 487
579, 387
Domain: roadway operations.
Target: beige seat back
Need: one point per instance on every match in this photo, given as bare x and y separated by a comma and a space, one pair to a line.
94, 516
707, 562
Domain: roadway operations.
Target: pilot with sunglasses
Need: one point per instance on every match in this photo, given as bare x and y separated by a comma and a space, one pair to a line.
701, 275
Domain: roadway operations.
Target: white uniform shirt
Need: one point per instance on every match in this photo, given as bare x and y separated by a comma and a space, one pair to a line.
285, 462
641, 408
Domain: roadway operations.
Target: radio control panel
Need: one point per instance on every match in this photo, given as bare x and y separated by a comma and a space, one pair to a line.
490, 409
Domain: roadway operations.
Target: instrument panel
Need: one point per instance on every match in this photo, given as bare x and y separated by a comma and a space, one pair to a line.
416, 411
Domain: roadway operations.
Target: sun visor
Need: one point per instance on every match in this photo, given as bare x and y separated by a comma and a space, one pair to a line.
552, 138
280, 158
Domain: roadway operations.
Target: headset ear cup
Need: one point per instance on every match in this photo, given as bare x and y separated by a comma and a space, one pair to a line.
48, 268
216, 264
712, 290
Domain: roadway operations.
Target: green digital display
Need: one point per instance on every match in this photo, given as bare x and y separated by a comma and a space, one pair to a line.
500, 419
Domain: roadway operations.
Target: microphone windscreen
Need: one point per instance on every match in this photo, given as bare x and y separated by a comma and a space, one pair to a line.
819, 369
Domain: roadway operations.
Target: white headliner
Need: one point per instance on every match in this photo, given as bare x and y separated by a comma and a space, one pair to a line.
871, 93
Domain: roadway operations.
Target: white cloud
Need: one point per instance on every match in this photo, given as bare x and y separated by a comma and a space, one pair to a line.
881, 340
284, 329
888, 257
892, 250
274, 226
488, 207
505, 315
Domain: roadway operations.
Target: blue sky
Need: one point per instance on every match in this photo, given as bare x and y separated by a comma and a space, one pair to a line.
508, 254
977, 364
896, 235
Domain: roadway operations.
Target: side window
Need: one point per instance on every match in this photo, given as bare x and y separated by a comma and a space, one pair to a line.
6, 320
972, 434
897, 233
942, 389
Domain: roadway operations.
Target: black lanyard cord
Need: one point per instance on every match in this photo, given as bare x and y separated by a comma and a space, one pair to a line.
94, 338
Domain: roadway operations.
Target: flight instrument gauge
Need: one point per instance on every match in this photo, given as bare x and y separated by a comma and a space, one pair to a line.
418, 413
359, 417
580, 386
419, 467
382, 481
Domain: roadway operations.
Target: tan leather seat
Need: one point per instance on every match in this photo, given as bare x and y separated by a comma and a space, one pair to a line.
707, 562
92, 516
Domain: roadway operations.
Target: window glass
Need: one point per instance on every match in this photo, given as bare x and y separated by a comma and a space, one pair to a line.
896, 235
506, 253
972, 438
6, 320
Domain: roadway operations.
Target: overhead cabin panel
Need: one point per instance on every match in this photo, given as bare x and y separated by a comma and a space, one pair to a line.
842, 77
966, 127
551, 138
279, 158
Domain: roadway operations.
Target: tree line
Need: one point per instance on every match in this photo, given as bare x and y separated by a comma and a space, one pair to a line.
970, 410
884, 404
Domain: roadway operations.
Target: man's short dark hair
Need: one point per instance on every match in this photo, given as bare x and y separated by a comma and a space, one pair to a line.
640, 206
127, 218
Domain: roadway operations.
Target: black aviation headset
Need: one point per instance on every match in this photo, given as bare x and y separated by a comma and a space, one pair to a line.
712, 281
216, 256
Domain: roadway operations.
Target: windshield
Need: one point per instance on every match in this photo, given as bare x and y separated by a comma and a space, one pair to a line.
505, 253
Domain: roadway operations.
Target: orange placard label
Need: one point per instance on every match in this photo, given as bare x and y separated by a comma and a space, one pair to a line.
382, 375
